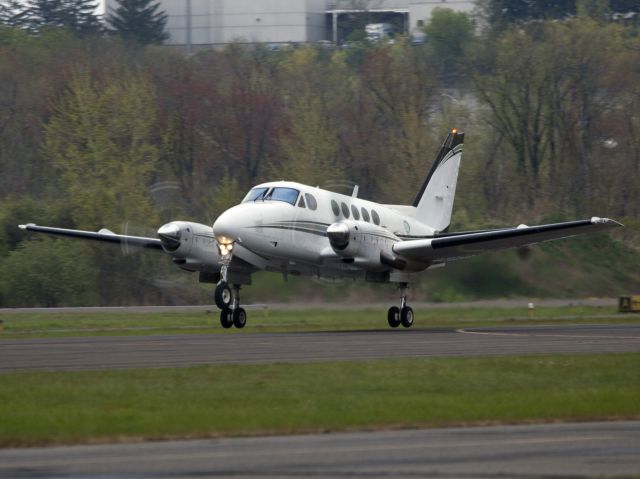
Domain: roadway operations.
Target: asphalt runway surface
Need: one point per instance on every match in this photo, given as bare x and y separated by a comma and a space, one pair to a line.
606, 449
98, 353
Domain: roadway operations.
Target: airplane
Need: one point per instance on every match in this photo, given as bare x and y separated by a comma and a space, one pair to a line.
295, 229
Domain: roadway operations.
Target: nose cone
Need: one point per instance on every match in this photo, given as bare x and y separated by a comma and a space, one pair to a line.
338, 234
169, 235
226, 228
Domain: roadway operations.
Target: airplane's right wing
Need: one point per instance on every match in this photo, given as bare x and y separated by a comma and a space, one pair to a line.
456, 246
102, 235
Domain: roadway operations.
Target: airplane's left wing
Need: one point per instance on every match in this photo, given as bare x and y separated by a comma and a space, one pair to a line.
102, 235
456, 246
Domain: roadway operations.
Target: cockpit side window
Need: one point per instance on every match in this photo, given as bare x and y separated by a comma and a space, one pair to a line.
311, 201
255, 194
288, 195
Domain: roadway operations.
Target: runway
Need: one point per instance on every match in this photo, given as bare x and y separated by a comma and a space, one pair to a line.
98, 353
606, 449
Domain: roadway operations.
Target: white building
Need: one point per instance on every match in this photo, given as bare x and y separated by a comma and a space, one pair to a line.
200, 23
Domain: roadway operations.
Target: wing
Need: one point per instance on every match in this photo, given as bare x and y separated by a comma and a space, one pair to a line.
102, 235
456, 246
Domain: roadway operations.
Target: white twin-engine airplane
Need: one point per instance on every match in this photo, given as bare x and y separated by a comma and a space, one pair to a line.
295, 229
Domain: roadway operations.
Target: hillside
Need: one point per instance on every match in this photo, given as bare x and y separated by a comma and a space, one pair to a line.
598, 266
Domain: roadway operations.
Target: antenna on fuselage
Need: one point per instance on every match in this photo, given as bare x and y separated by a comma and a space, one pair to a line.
355, 191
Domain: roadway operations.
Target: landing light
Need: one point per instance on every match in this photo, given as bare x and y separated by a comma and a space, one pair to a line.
454, 131
225, 245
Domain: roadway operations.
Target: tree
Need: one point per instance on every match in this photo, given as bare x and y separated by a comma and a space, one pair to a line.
12, 13
139, 20
515, 91
448, 33
500, 14
402, 90
310, 149
597, 10
101, 138
77, 15
51, 274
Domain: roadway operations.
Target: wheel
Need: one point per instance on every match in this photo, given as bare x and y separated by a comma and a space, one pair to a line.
226, 318
239, 318
393, 316
406, 317
223, 296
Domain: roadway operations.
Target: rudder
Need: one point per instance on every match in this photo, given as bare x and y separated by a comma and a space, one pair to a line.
434, 200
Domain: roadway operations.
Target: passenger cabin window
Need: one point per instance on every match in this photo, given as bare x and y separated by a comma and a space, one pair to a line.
365, 215
335, 207
376, 218
355, 212
312, 204
288, 195
255, 194
345, 210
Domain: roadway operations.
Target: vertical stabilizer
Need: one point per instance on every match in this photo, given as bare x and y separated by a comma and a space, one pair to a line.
434, 201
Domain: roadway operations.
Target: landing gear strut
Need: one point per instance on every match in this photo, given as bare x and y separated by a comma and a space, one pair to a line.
228, 300
402, 315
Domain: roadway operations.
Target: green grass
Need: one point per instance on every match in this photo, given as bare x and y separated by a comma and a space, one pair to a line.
29, 325
71, 407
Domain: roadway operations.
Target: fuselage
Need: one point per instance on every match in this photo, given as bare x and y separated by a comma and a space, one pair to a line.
283, 227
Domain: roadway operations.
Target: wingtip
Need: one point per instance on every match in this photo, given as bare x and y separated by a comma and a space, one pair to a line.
24, 227
606, 221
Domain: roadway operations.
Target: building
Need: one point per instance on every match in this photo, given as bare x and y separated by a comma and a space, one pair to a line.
203, 23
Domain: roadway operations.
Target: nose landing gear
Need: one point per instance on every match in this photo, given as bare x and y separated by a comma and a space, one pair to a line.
228, 300
402, 315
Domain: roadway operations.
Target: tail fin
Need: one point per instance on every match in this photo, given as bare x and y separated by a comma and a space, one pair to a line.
434, 201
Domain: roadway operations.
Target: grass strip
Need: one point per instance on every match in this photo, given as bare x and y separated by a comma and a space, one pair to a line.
31, 325
75, 407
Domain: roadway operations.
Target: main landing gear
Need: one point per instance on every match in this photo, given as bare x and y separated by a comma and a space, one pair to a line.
228, 300
402, 315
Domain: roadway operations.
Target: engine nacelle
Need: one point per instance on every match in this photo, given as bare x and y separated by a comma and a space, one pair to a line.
364, 244
191, 245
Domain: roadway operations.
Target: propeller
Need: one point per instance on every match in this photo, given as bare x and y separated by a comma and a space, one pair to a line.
170, 235
338, 234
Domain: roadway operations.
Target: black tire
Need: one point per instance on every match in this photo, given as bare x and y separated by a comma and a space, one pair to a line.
239, 318
406, 317
226, 318
223, 296
393, 316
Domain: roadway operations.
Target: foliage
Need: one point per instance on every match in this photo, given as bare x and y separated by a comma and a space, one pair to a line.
94, 133
139, 20
100, 139
12, 13
310, 150
448, 35
48, 273
76, 15
499, 15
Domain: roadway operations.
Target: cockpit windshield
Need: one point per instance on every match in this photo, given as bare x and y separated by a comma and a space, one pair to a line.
255, 194
289, 195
